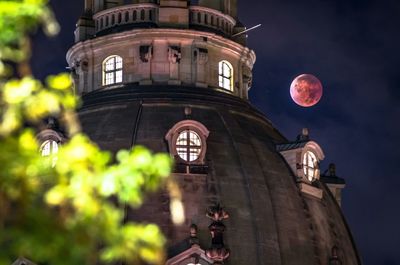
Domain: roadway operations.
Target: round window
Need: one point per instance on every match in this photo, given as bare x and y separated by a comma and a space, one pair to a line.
188, 145
310, 166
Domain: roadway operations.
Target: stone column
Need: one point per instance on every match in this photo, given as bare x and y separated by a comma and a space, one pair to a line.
200, 57
174, 58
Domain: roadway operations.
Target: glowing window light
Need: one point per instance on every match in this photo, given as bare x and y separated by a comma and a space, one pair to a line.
226, 75
188, 145
310, 166
48, 148
112, 70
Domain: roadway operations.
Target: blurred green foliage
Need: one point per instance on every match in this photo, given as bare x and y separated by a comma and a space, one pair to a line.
71, 211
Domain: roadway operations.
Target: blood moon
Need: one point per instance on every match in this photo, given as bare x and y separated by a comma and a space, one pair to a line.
306, 90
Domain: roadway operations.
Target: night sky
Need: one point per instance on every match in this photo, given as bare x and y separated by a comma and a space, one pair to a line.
352, 46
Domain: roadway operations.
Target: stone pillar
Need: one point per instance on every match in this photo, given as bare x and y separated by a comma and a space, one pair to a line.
98, 5
89, 6
200, 58
174, 58
145, 56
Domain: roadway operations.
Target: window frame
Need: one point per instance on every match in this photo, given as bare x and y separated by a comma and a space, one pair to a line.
191, 149
114, 71
186, 126
52, 146
316, 150
310, 165
49, 135
223, 77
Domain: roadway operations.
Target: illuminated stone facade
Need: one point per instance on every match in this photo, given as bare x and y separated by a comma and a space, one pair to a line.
175, 77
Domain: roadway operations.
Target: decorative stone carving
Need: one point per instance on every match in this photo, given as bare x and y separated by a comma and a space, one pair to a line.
248, 80
174, 54
146, 53
218, 253
200, 56
217, 213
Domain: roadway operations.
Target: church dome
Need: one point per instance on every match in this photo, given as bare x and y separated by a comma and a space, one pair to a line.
271, 221
176, 80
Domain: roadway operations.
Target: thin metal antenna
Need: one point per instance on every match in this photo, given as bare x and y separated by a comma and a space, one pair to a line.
244, 31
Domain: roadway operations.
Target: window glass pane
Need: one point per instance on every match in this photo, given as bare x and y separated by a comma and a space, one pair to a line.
110, 64
109, 78
309, 165
221, 81
118, 76
225, 75
113, 70
194, 154
182, 139
182, 152
48, 148
118, 62
226, 71
194, 139
188, 145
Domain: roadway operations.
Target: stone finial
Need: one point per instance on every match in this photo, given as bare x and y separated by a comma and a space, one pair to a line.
217, 213
193, 235
217, 252
188, 111
334, 260
304, 136
332, 170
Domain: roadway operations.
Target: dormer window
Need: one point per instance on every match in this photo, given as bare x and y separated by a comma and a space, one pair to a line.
112, 70
188, 145
50, 143
187, 142
304, 156
310, 166
225, 75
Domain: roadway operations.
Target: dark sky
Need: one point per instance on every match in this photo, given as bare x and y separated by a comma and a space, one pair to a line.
352, 46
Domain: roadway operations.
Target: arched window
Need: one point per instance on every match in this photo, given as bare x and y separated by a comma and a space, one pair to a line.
225, 75
112, 70
48, 148
50, 142
187, 141
310, 165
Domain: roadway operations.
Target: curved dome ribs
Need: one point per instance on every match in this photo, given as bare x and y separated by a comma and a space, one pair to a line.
146, 68
247, 184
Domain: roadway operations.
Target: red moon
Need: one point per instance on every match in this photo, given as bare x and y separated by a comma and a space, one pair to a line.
306, 90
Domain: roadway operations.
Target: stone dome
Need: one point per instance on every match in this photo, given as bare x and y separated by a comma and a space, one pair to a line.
271, 221
174, 76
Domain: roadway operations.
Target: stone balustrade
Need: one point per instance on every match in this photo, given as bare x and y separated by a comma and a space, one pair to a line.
126, 14
210, 18
148, 13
